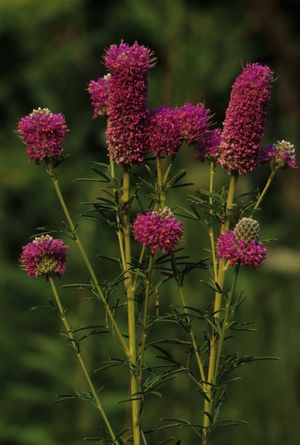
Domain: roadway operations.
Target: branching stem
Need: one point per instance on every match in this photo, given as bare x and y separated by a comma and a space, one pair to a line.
193, 338
208, 404
135, 403
211, 229
143, 335
266, 187
87, 262
81, 362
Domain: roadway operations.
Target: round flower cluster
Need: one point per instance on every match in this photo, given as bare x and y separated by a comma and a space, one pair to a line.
245, 119
43, 133
164, 131
44, 256
127, 102
284, 155
241, 245
99, 90
193, 121
158, 230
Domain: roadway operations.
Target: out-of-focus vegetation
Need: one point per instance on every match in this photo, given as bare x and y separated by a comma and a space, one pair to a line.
49, 52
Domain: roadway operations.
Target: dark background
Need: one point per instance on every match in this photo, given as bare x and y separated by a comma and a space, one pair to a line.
49, 52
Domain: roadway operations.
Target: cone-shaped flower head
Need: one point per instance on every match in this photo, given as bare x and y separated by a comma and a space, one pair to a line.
43, 133
44, 257
164, 131
158, 230
127, 102
245, 119
242, 245
247, 229
98, 91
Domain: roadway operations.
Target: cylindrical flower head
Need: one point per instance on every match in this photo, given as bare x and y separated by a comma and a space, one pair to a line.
164, 131
43, 133
44, 257
193, 120
158, 230
98, 91
241, 245
243, 127
127, 102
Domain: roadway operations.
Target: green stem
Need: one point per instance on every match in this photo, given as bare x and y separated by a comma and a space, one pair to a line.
268, 183
163, 169
118, 222
193, 338
81, 361
144, 333
211, 230
208, 404
130, 308
225, 322
87, 262
140, 260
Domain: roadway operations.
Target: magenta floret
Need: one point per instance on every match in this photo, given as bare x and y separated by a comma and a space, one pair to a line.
43, 133
44, 256
98, 91
127, 102
252, 254
158, 230
210, 146
193, 120
245, 119
266, 153
164, 131
235, 250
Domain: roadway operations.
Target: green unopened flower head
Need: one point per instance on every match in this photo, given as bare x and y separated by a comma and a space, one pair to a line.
247, 229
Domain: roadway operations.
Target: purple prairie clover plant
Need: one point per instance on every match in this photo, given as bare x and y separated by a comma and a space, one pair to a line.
44, 257
243, 127
158, 230
242, 245
98, 91
42, 132
127, 102
133, 132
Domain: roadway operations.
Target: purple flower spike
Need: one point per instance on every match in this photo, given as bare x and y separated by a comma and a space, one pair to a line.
241, 245
98, 91
44, 257
164, 131
43, 133
127, 102
158, 230
245, 119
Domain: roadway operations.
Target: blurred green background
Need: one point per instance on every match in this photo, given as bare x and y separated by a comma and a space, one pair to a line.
49, 52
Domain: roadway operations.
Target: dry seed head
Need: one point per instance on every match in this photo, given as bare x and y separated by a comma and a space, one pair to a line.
247, 229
